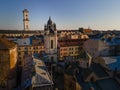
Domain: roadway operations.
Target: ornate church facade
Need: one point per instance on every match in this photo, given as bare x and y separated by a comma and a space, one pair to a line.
50, 40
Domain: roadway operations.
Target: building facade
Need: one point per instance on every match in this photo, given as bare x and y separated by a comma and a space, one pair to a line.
28, 49
8, 64
68, 49
26, 20
50, 40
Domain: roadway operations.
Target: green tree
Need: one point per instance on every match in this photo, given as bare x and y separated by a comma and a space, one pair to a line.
80, 29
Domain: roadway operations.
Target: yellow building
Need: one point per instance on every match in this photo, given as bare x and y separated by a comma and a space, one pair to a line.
28, 49
69, 48
72, 51
8, 61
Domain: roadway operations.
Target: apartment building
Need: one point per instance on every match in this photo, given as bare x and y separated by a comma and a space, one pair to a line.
69, 49
8, 63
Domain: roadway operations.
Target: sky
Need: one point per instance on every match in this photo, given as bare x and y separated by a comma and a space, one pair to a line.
67, 14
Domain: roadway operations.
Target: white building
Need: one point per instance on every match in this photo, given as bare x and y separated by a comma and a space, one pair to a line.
50, 40
26, 20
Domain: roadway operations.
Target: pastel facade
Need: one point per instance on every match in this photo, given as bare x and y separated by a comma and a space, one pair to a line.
69, 49
28, 49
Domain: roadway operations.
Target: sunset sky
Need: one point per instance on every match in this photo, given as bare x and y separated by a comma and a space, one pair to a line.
67, 14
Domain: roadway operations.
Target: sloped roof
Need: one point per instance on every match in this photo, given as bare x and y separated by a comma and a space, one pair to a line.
115, 65
87, 30
42, 77
85, 72
69, 42
6, 44
99, 70
108, 84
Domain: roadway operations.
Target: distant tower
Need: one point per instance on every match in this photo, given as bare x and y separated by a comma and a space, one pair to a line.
26, 20
50, 40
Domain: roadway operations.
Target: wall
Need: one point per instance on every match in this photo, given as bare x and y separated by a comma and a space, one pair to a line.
8, 62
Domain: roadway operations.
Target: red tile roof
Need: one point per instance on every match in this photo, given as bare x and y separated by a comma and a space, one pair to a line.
69, 42
87, 30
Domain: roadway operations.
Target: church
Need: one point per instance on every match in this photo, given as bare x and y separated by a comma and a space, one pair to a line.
50, 40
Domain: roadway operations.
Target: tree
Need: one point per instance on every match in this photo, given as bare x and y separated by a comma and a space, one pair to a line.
81, 29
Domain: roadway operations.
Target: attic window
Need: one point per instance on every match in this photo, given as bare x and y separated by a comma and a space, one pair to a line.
24, 42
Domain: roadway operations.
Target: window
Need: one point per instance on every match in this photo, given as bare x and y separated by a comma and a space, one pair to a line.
26, 26
76, 52
36, 47
25, 48
52, 58
19, 53
26, 52
76, 48
51, 44
19, 48
65, 49
70, 52
24, 43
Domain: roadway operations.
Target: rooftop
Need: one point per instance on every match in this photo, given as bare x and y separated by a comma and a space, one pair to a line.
69, 42
101, 84
6, 44
99, 70
112, 62
20, 31
87, 30
115, 65
42, 77
108, 84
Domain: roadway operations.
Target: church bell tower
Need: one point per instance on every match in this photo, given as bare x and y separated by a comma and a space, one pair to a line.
50, 40
26, 20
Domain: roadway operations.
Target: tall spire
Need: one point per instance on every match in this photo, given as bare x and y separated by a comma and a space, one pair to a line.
26, 20
49, 17
49, 21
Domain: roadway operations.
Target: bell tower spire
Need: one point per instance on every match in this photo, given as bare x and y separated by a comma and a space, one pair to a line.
26, 20
50, 40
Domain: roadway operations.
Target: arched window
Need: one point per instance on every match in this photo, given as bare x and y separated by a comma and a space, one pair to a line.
51, 44
26, 26
52, 58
